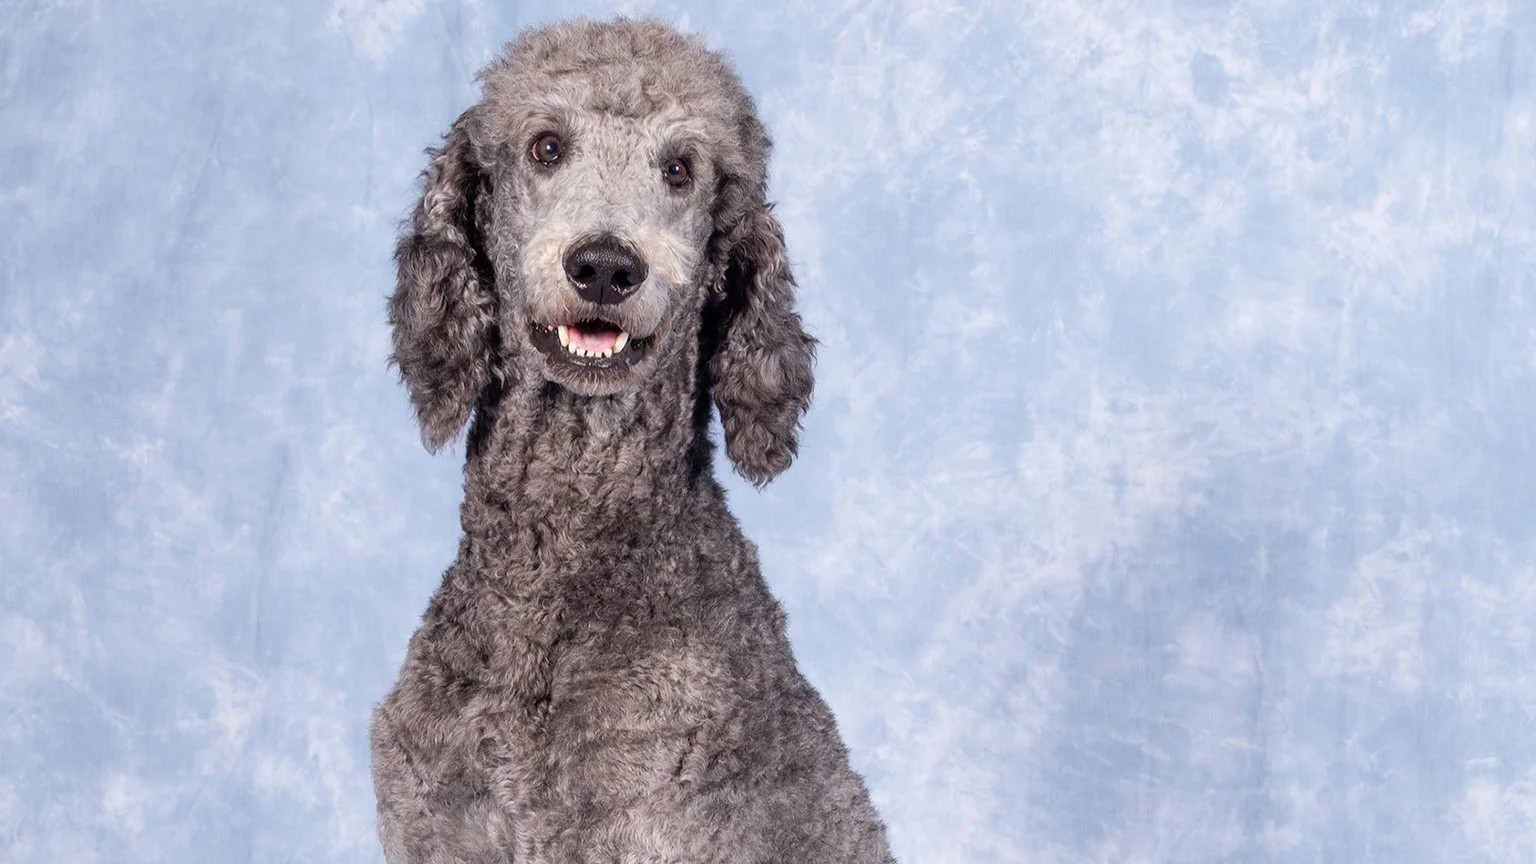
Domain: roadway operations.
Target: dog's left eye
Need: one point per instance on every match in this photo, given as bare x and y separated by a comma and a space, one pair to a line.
547, 149
676, 172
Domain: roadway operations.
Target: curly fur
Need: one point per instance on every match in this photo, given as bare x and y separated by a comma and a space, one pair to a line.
603, 675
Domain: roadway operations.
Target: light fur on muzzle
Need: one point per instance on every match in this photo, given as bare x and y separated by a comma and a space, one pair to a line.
552, 299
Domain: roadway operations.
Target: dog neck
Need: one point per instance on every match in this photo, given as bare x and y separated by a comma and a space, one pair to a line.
542, 455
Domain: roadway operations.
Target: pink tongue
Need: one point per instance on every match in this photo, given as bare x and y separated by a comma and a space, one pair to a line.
594, 340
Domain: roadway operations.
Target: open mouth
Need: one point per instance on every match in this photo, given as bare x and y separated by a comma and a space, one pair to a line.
593, 344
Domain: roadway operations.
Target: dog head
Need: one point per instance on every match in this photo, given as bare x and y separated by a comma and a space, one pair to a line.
601, 207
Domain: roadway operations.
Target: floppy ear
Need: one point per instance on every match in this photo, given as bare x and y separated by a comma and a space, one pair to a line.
760, 371
443, 308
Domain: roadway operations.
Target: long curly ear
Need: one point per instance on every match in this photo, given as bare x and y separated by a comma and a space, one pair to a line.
443, 309
761, 370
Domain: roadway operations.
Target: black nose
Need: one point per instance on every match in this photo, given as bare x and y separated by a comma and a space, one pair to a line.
603, 271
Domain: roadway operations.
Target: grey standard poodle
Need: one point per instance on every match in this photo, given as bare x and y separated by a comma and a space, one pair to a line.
603, 675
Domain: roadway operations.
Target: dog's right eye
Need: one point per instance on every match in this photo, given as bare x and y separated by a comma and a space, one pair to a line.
546, 149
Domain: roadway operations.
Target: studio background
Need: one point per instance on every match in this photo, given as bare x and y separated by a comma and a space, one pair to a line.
1169, 493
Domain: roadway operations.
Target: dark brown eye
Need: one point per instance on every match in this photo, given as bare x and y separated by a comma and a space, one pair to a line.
547, 149
676, 172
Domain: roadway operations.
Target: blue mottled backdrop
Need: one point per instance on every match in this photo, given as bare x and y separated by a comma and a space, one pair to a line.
1170, 492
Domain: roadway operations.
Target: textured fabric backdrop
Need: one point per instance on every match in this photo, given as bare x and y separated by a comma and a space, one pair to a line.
1169, 494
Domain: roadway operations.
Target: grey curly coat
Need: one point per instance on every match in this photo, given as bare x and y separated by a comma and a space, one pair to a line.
603, 675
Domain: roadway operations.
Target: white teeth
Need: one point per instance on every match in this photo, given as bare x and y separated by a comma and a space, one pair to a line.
565, 342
